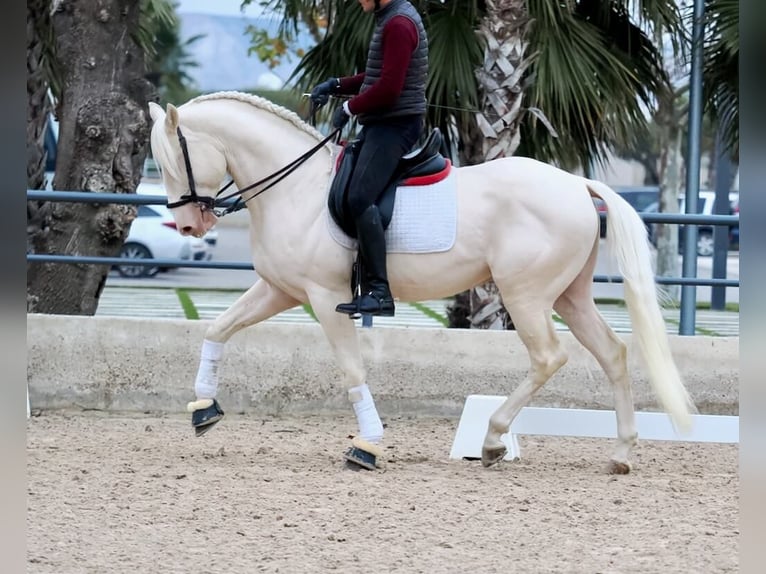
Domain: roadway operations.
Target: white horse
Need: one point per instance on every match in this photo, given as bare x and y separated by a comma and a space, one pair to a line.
530, 227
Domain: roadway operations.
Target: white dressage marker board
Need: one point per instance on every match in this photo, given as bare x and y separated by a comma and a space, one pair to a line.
578, 423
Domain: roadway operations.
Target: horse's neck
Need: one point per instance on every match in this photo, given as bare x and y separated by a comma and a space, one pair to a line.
299, 199
258, 150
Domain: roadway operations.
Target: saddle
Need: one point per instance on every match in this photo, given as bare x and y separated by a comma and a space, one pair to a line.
419, 167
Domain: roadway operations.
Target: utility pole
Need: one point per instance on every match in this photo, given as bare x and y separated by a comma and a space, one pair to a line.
689, 292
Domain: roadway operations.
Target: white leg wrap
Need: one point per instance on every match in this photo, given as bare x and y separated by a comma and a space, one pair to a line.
370, 427
206, 385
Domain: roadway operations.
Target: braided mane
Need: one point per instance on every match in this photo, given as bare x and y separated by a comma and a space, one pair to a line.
164, 152
263, 104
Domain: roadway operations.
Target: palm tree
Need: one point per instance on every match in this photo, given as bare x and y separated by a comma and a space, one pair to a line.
169, 58
39, 64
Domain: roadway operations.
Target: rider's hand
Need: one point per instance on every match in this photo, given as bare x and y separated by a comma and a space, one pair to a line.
340, 117
321, 93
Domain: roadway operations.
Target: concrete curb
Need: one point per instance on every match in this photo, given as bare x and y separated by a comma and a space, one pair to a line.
129, 364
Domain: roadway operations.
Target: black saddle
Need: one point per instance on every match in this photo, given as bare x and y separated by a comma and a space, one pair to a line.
424, 161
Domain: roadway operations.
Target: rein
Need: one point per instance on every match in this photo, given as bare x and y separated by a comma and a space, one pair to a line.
211, 203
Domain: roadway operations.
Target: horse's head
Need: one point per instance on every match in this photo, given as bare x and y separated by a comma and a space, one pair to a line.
192, 168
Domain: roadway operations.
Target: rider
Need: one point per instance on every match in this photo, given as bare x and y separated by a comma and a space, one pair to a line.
390, 107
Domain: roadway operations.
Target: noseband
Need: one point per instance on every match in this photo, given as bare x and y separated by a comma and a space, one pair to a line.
207, 203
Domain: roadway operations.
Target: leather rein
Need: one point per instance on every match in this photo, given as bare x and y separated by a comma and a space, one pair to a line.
214, 204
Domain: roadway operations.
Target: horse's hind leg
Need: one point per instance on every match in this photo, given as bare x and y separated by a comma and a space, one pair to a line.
259, 302
578, 310
534, 326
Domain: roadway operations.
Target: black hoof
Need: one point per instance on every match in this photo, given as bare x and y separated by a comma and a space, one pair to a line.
205, 417
359, 457
363, 454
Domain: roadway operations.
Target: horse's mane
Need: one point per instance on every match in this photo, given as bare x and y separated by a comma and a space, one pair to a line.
164, 153
263, 104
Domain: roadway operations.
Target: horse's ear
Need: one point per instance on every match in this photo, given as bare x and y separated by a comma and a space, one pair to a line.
171, 118
156, 112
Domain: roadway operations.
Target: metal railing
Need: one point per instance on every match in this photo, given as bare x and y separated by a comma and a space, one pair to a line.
134, 199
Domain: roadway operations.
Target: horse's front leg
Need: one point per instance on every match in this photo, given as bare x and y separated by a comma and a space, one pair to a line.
258, 303
342, 335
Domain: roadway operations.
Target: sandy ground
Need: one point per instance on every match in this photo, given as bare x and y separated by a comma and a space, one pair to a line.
112, 493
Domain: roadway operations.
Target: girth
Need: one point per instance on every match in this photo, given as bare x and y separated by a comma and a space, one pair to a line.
419, 163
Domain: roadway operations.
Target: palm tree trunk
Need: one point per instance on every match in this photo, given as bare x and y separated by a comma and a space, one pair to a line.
38, 106
39, 31
503, 30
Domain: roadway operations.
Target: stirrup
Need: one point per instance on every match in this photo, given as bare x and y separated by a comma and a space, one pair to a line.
350, 309
377, 305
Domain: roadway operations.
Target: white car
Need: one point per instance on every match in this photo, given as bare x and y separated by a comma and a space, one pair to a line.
153, 235
705, 241
211, 237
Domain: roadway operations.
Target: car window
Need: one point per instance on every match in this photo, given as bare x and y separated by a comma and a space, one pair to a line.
146, 211
644, 200
640, 199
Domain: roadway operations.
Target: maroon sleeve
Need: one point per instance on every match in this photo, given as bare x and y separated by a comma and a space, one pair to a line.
350, 84
400, 38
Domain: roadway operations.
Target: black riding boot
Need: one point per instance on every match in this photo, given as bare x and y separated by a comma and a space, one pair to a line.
377, 300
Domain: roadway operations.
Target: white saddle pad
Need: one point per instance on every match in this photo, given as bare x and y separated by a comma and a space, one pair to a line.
424, 219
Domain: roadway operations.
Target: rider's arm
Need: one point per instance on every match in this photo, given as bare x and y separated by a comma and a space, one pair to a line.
400, 38
350, 84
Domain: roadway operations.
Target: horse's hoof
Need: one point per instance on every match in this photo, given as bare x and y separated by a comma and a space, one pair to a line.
363, 454
493, 455
205, 414
619, 467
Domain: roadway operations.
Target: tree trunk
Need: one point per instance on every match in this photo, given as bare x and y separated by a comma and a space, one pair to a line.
102, 144
503, 29
667, 233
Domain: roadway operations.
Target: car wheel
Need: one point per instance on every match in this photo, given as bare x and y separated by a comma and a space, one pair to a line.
705, 244
136, 251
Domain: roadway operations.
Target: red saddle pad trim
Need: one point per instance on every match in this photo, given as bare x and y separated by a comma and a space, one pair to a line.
431, 178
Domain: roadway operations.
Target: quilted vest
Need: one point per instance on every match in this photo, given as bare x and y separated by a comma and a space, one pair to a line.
412, 100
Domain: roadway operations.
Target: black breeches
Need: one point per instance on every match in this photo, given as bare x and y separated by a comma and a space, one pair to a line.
381, 148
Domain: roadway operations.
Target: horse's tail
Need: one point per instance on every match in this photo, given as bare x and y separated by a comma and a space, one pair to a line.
627, 241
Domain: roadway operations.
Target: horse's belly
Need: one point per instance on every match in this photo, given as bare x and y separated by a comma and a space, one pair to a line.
433, 276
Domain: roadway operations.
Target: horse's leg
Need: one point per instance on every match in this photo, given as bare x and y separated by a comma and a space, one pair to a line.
534, 326
342, 336
580, 313
259, 302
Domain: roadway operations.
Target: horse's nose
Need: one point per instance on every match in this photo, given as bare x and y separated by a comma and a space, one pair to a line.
187, 230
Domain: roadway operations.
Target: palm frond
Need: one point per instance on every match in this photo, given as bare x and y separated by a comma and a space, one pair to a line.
595, 74
342, 52
154, 13
721, 69
455, 51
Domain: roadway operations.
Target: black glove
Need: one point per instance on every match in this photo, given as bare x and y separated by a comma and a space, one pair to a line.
321, 93
340, 118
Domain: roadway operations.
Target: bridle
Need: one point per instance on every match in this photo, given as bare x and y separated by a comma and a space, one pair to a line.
206, 203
